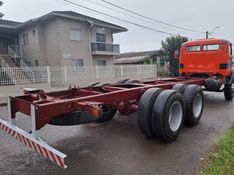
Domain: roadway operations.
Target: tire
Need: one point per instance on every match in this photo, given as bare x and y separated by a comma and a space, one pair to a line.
179, 88
168, 115
107, 115
132, 82
212, 84
94, 84
122, 81
144, 113
194, 102
228, 92
72, 118
98, 84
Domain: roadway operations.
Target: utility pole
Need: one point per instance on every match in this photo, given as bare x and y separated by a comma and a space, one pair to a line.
207, 34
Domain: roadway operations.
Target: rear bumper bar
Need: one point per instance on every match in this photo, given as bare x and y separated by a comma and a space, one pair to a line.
33, 143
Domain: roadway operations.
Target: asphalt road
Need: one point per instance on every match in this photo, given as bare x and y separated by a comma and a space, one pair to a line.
118, 147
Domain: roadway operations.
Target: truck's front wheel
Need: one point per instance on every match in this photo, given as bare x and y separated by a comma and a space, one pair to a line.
229, 91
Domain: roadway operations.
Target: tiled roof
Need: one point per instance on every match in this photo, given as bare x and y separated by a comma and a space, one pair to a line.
134, 54
134, 57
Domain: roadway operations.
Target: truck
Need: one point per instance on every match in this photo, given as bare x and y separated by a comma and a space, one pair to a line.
163, 105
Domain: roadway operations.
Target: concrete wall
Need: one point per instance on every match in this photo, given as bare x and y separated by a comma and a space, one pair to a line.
70, 49
44, 46
52, 45
50, 42
32, 51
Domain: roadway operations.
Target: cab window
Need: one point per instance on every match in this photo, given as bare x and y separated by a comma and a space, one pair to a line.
210, 47
193, 48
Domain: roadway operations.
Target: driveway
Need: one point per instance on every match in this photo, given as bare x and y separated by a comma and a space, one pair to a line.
118, 147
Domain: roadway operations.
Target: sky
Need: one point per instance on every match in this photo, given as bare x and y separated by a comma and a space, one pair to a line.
202, 15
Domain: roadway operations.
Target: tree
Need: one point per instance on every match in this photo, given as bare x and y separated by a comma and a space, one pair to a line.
169, 46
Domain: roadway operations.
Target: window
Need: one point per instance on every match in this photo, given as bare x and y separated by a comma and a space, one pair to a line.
101, 62
76, 35
193, 48
36, 63
211, 47
25, 39
34, 32
100, 37
77, 63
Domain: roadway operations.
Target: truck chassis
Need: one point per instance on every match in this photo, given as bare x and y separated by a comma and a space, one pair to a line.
162, 107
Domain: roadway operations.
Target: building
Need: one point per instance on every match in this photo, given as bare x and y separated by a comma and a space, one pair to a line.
60, 38
148, 57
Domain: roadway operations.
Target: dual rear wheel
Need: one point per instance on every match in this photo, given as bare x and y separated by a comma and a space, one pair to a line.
162, 113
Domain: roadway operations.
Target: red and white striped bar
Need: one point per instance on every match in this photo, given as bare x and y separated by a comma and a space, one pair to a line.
39, 146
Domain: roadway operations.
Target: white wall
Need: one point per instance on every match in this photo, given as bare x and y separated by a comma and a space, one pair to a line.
52, 45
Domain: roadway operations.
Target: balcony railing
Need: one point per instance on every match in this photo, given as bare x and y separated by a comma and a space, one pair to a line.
104, 47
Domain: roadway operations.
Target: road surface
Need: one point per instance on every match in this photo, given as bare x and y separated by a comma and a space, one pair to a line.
118, 147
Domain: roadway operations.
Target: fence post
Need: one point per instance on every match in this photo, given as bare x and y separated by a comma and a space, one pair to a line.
141, 73
48, 75
155, 70
97, 72
121, 70
65, 74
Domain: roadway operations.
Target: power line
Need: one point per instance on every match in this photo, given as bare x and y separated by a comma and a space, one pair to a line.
152, 19
130, 15
105, 14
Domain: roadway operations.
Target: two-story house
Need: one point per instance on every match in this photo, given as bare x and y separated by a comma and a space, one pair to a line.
61, 38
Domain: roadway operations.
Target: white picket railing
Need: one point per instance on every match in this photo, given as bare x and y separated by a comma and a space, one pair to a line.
14, 52
63, 76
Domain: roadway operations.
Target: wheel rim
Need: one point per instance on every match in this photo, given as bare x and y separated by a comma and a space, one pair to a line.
197, 105
175, 116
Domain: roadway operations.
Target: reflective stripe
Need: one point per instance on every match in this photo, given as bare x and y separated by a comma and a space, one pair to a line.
37, 145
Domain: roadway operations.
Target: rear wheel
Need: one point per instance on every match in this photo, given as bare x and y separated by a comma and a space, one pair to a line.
179, 87
194, 101
72, 118
144, 114
229, 92
168, 115
122, 81
132, 82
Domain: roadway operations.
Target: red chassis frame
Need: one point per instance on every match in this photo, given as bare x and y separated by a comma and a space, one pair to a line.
90, 99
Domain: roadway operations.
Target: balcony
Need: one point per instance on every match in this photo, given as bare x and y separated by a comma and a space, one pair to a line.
104, 49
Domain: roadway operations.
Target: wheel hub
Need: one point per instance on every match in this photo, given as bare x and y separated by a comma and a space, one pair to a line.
197, 105
175, 116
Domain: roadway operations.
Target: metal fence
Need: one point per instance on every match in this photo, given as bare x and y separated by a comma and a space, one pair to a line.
63, 76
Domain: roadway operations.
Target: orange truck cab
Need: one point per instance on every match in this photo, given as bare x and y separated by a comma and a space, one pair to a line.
211, 59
